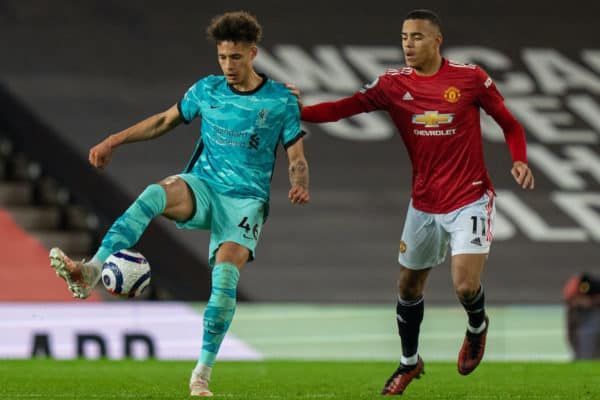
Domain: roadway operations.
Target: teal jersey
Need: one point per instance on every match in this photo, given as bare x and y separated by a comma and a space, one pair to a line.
240, 133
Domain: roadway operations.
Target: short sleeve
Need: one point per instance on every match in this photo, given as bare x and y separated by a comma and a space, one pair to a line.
292, 131
189, 105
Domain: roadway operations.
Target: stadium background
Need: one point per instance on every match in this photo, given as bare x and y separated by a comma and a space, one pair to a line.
87, 69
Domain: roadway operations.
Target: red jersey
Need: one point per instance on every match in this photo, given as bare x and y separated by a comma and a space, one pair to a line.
438, 119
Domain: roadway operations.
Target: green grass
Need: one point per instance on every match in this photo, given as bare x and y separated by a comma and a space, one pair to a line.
102, 379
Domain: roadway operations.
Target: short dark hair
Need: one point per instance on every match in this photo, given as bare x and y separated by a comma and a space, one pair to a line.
427, 15
236, 26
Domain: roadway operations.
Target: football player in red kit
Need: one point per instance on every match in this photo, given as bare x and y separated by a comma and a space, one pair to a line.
435, 105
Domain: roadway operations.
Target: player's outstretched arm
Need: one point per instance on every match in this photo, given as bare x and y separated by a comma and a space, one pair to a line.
298, 171
523, 175
328, 111
150, 128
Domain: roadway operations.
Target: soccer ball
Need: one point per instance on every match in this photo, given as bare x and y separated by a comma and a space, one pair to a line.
126, 273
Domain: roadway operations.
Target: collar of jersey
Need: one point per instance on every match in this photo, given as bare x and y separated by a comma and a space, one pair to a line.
428, 77
256, 89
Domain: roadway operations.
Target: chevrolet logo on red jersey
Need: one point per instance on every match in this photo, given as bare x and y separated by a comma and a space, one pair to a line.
432, 119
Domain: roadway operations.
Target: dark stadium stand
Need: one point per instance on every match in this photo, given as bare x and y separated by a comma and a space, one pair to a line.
41, 206
35, 213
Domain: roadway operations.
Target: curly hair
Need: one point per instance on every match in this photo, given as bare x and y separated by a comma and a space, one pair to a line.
237, 26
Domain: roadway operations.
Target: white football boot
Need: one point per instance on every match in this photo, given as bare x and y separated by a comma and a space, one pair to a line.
199, 387
81, 278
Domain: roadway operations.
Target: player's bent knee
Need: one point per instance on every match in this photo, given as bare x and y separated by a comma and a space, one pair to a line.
234, 253
179, 200
173, 185
467, 291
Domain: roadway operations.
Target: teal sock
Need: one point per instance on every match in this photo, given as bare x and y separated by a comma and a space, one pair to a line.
129, 227
219, 311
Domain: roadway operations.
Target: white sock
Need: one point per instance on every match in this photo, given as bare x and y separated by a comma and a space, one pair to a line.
412, 360
94, 263
476, 330
201, 371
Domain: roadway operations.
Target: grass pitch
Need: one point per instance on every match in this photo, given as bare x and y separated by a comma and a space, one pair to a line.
103, 379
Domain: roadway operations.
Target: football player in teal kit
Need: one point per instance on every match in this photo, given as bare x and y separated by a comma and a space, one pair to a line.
225, 186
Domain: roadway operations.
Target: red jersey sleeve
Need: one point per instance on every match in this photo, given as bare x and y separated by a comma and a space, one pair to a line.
331, 111
370, 98
492, 102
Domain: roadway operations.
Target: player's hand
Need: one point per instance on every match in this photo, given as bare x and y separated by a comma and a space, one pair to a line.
523, 175
296, 92
100, 154
298, 195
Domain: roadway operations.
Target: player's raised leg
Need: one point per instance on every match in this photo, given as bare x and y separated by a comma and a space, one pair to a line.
409, 315
466, 276
171, 197
219, 312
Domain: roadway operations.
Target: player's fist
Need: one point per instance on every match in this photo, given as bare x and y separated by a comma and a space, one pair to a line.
100, 154
298, 195
523, 175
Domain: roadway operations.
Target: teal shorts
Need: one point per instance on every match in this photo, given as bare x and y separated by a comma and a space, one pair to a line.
229, 219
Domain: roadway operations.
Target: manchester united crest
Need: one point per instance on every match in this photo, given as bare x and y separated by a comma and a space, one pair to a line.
402, 246
452, 94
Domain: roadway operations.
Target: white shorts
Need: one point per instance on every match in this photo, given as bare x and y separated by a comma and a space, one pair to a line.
468, 230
